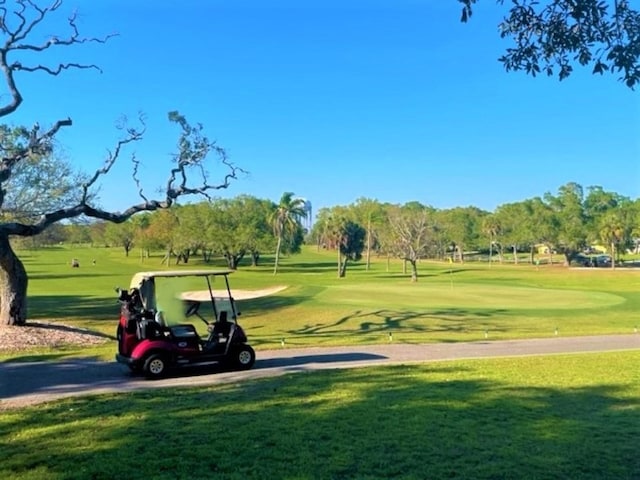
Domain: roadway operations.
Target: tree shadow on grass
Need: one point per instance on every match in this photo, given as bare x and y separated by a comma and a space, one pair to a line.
424, 273
256, 306
73, 306
66, 328
68, 277
427, 421
403, 321
311, 267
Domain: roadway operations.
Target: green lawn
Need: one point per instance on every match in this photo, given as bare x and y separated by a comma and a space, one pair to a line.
565, 416
548, 417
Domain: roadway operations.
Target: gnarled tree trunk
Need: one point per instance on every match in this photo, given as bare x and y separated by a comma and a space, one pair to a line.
13, 286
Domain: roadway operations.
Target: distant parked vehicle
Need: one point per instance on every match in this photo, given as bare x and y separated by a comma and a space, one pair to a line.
602, 261
582, 260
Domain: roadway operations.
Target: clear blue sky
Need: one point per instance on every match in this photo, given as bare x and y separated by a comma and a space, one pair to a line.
334, 100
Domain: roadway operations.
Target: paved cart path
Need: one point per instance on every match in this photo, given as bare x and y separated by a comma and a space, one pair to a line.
27, 383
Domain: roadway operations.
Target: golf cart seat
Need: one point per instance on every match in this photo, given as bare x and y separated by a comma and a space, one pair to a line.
222, 327
183, 331
220, 332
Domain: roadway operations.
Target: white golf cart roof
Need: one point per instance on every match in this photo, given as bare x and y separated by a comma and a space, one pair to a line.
139, 278
144, 282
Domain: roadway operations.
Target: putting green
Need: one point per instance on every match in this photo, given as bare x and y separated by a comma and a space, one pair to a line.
461, 295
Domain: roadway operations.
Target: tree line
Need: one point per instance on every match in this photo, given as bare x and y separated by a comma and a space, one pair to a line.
244, 226
567, 223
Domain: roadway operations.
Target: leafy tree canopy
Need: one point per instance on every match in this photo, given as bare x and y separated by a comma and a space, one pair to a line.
553, 36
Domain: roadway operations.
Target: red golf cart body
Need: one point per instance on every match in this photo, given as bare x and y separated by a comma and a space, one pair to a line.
151, 343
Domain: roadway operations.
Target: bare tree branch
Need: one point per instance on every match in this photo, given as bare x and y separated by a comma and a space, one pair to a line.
16, 66
25, 27
28, 148
132, 135
27, 17
194, 150
136, 179
54, 40
193, 146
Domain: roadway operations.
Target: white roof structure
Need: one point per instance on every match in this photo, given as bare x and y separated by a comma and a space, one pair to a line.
139, 277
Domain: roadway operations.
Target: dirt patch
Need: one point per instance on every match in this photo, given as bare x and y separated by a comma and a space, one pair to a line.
45, 334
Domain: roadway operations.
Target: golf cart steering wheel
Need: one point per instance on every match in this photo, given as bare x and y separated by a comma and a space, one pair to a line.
192, 309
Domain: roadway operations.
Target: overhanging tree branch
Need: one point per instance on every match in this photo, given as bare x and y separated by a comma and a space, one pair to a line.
176, 186
26, 18
132, 135
552, 36
25, 152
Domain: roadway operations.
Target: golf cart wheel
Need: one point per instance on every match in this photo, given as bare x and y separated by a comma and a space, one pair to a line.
245, 357
155, 366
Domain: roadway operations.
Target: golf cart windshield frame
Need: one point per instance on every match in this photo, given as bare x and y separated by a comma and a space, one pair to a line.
144, 282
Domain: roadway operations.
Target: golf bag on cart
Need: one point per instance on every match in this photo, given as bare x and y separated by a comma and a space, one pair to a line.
136, 323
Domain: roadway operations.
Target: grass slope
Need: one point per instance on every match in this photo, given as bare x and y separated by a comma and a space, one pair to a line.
566, 416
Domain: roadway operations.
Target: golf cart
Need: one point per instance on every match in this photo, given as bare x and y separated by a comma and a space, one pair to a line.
153, 339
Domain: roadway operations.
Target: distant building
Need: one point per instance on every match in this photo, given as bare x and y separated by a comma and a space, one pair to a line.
307, 221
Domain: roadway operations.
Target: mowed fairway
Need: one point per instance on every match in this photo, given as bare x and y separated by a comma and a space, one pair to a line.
469, 296
449, 303
542, 417
431, 312
461, 304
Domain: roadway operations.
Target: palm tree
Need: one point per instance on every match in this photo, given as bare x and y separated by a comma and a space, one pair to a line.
613, 232
285, 219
